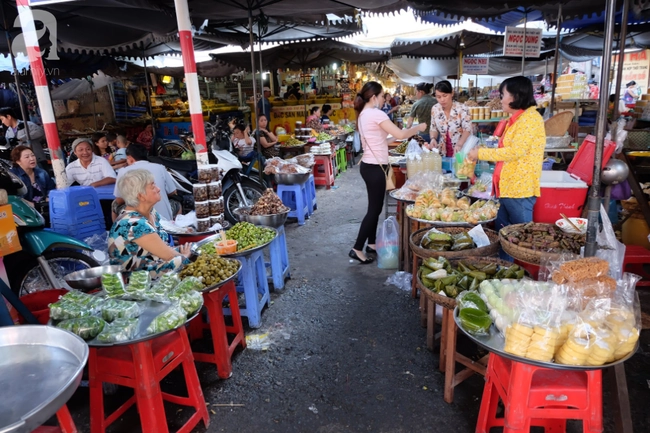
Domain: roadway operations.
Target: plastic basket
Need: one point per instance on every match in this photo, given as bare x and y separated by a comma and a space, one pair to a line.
38, 304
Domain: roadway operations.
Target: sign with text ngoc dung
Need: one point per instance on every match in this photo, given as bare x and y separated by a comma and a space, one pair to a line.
475, 65
513, 43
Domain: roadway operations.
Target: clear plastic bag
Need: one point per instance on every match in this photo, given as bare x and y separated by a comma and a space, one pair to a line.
85, 327
113, 285
117, 309
64, 310
401, 280
609, 248
169, 319
388, 244
190, 301
139, 282
118, 331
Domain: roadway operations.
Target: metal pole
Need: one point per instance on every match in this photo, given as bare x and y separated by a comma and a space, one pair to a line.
621, 58
555, 59
601, 123
523, 53
146, 83
268, 118
252, 46
191, 80
42, 92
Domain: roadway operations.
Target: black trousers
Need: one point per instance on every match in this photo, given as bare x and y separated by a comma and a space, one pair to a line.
375, 178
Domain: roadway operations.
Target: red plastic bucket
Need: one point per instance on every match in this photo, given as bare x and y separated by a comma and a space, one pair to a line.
37, 303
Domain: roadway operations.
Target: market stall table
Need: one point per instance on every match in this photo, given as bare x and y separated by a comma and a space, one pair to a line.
41, 368
509, 377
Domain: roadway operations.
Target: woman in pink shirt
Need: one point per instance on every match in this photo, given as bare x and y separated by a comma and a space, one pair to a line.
374, 126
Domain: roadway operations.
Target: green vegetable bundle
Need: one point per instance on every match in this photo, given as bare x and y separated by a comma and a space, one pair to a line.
189, 284
113, 285
65, 309
170, 319
474, 321
465, 276
139, 282
438, 241
116, 309
85, 327
190, 301
118, 331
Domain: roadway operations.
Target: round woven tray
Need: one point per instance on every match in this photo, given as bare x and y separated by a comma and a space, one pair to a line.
524, 254
424, 253
446, 301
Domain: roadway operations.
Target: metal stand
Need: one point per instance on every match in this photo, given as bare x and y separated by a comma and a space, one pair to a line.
5, 317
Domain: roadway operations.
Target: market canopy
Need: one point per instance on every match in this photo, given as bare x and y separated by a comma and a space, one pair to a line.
448, 45
311, 54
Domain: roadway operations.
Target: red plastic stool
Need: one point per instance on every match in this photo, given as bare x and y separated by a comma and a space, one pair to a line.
222, 356
142, 366
66, 425
324, 170
637, 256
543, 397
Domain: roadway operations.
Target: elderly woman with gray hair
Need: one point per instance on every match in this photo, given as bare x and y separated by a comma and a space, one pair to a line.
136, 240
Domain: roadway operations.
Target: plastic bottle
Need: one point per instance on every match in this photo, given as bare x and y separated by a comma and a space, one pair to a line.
436, 161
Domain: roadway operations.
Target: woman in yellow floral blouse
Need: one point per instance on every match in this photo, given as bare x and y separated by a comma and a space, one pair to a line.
519, 156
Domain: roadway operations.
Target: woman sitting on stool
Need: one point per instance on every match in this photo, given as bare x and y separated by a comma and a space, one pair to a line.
136, 240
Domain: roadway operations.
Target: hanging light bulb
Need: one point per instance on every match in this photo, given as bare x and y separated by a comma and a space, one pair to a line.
462, 42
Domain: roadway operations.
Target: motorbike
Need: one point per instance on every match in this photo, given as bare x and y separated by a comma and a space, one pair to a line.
239, 190
46, 256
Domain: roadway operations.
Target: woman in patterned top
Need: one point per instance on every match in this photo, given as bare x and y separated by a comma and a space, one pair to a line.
136, 240
268, 140
519, 156
451, 123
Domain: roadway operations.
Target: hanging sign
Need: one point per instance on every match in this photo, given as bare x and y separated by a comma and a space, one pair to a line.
46, 2
635, 68
513, 43
475, 65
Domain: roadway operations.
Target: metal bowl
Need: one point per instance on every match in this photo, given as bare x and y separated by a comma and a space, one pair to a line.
90, 279
292, 178
274, 221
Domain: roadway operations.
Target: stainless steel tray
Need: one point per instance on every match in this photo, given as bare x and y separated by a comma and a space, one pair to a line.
495, 343
198, 245
400, 199
40, 368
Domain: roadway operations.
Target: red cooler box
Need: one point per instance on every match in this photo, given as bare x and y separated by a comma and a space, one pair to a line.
560, 193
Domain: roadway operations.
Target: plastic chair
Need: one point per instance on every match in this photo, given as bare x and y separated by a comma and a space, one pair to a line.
223, 346
635, 257
311, 194
341, 160
66, 424
324, 171
253, 283
279, 260
142, 366
537, 396
296, 198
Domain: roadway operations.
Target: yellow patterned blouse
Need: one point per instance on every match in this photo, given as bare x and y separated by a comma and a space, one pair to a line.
522, 155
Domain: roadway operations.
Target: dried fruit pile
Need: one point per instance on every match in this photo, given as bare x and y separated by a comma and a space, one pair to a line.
268, 204
545, 237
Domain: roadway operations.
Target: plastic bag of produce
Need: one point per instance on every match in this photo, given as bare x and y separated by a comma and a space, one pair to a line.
63, 310
190, 301
119, 330
189, 284
467, 299
113, 285
474, 321
117, 309
168, 282
78, 297
139, 282
171, 318
388, 244
85, 327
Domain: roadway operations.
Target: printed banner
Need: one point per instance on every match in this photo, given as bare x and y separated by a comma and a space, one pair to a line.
513, 43
635, 68
475, 66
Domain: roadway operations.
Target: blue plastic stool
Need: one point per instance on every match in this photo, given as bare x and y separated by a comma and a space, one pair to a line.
252, 282
279, 263
76, 212
311, 194
295, 198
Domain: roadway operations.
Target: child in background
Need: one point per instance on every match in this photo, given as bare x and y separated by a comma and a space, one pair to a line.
119, 157
111, 137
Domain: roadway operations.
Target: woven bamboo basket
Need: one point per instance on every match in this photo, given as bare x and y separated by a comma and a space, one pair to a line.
524, 254
446, 301
490, 250
557, 125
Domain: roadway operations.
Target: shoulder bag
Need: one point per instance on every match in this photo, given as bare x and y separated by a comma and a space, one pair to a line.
389, 173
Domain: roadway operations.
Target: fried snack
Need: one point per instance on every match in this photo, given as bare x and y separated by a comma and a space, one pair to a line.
581, 269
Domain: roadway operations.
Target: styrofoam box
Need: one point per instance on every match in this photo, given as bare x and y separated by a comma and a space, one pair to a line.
560, 193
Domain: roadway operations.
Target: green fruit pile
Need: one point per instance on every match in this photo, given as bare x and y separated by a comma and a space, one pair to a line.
249, 235
211, 269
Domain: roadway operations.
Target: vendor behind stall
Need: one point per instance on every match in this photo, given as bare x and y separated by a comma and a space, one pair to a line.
313, 120
451, 123
88, 169
519, 156
136, 240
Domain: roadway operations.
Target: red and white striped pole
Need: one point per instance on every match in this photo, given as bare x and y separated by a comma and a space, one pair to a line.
42, 91
191, 80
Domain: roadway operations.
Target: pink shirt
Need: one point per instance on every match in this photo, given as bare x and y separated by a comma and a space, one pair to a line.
373, 137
